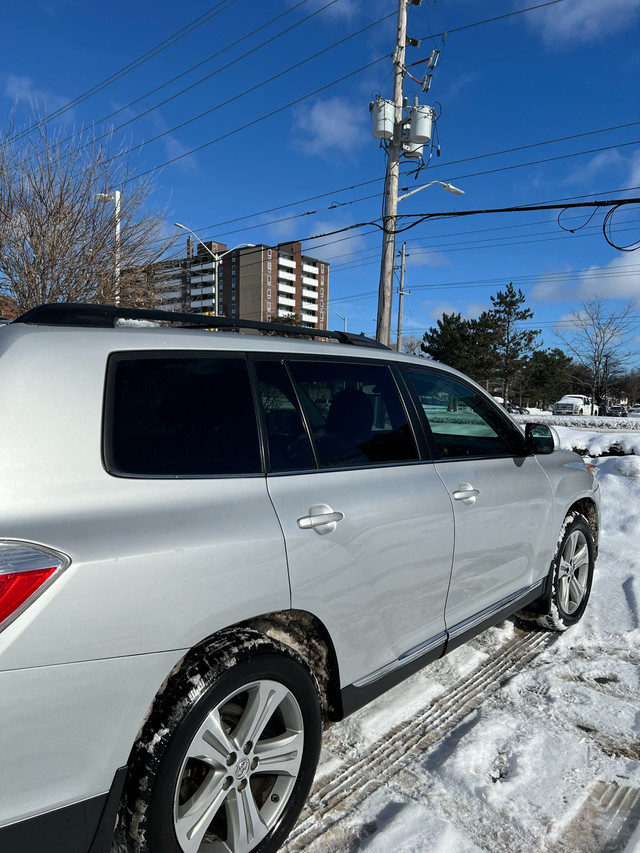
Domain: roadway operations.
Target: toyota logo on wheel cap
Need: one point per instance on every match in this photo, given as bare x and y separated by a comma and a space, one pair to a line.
242, 768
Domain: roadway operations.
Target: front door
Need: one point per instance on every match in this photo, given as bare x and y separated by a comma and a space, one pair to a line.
501, 496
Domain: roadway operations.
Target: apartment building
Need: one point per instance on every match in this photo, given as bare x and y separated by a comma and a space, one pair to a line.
254, 282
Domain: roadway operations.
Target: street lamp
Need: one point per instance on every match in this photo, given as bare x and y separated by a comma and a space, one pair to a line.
217, 257
385, 291
344, 319
115, 198
444, 184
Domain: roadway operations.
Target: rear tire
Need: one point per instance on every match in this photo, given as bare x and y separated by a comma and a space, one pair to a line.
226, 760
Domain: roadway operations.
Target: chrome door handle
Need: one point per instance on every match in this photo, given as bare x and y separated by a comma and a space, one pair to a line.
466, 493
321, 518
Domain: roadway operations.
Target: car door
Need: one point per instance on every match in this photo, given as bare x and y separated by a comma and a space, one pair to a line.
500, 495
368, 525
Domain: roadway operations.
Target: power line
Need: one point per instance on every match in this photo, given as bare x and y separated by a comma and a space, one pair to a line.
610, 203
508, 242
255, 121
250, 90
202, 62
222, 6
440, 166
244, 127
415, 247
491, 20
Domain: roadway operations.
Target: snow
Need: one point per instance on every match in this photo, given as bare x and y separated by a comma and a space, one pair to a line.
519, 741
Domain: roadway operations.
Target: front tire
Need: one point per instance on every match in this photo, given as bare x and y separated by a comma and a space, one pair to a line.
571, 575
226, 760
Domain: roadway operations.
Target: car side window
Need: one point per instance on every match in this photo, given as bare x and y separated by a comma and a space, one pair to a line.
287, 440
355, 413
462, 421
180, 415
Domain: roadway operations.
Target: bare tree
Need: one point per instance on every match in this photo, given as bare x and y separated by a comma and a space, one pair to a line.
412, 345
58, 227
599, 342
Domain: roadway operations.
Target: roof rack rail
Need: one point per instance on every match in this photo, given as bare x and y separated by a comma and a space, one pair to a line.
107, 316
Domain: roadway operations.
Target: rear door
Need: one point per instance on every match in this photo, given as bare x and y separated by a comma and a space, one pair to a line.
368, 525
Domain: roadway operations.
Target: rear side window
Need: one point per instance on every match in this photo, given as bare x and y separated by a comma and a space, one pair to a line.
354, 412
287, 439
179, 415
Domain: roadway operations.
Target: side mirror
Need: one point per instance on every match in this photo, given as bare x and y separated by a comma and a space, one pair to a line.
540, 438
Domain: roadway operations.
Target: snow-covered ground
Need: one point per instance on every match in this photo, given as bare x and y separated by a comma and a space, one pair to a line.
519, 741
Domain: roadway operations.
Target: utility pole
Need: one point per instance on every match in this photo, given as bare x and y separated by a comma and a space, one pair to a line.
403, 136
401, 293
390, 209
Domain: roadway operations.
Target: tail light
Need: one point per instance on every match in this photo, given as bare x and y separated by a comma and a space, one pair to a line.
25, 571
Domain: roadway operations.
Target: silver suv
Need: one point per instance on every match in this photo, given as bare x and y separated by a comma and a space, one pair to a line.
213, 544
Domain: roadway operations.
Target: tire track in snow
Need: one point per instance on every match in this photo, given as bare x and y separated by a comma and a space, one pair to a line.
352, 783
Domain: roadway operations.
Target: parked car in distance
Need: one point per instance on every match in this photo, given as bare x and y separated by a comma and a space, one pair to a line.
617, 411
572, 404
634, 411
515, 409
212, 545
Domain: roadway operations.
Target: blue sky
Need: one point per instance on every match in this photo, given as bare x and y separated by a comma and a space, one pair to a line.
525, 105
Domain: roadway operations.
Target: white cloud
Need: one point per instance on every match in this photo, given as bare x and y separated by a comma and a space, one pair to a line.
437, 309
575, 22
458, 84
634, 174
621, 169
331, 126
619, 279
23, 89
174, 148
425, 258
604, 160
281, 226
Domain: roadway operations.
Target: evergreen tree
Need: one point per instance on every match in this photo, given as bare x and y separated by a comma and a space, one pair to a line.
451, 342
546, 376
510, 342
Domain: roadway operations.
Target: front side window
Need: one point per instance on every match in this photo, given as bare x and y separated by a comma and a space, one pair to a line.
179, 415
354, 412
462, 422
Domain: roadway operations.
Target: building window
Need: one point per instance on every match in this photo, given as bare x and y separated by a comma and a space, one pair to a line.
269, 255
268, 306
233, 296
233, 309
268, 279
269, 265
268, 293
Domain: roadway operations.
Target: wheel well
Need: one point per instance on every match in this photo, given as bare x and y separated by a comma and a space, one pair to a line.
587, 508
306, 635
